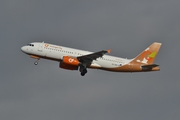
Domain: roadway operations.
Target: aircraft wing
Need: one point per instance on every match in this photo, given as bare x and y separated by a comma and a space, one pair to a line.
87, 59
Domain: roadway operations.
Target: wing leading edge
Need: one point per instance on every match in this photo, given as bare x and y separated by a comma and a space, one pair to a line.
90, 57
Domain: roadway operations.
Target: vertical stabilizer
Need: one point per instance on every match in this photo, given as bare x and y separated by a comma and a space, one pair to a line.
149, 55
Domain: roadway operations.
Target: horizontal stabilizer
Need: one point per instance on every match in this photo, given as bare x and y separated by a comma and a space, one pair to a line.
150, 66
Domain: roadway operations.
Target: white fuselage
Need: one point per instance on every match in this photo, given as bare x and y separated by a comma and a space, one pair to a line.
55, 52
74, 59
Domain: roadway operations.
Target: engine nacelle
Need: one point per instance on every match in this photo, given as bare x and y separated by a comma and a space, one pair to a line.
67, 66
71, 61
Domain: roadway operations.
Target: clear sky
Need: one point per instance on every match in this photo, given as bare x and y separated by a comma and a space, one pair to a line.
127, 27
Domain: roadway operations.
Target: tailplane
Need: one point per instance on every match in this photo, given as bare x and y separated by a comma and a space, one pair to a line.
148, 55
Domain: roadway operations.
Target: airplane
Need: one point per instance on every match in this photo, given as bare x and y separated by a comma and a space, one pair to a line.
75, 59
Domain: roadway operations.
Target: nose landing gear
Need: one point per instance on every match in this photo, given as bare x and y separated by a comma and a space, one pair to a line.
35, 57
36, 62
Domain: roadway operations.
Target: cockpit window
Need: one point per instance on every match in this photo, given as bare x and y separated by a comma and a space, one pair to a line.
30, 45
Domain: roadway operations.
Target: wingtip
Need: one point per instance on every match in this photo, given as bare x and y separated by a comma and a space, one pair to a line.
109, 51
158, 43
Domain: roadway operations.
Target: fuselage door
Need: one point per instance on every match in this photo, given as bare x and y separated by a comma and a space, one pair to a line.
40, 47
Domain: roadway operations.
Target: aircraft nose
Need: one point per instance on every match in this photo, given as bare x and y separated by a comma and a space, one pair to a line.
23, 49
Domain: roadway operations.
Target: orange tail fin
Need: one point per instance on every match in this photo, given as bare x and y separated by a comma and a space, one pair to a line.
149, 55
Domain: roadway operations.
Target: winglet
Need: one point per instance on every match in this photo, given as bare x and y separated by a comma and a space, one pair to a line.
109, 51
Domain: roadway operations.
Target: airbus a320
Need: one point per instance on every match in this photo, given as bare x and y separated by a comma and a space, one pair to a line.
75, 59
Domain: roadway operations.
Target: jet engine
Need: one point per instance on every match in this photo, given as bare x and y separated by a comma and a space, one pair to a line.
69, 63
70, 60
67, 66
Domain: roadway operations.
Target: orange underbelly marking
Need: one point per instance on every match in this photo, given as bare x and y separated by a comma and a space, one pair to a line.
35, 57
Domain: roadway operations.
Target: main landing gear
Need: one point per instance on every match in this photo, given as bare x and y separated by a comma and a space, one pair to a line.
83, 70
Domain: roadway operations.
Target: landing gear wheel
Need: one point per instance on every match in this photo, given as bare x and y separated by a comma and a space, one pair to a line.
36, 63
82, 74
83, 70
